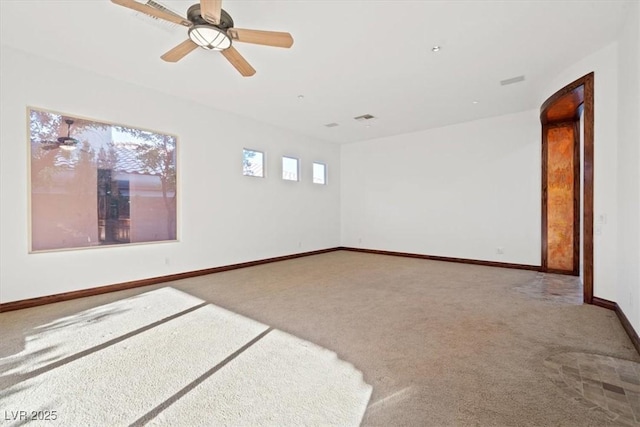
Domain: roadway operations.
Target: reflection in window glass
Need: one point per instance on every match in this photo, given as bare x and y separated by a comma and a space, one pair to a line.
319, 173
290, 168
97, 184
252, 163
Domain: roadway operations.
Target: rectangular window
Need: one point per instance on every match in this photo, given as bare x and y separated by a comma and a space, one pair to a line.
290, 168
252, 163
319, 173
96, 184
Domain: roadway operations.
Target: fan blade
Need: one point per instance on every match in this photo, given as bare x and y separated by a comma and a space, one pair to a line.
49, 145
156, 13
267, 38
180, 51
238, 62
210, 10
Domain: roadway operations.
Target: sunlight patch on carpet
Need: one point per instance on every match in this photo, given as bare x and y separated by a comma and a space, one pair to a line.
206, 366
69, 335
280, 381
390, 400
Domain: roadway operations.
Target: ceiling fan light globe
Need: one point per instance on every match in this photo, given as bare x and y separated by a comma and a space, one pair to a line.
67, 147
209, 37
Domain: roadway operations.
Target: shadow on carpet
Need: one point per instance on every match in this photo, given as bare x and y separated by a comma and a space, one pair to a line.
167, 358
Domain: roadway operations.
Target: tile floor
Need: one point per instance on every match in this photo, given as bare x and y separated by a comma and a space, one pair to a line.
604, 384
554, 287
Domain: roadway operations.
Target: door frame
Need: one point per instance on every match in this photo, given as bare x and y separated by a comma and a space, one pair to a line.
586, 104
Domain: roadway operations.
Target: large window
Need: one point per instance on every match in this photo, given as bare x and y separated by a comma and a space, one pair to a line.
95, 183
290, 168
252, 163
319, 173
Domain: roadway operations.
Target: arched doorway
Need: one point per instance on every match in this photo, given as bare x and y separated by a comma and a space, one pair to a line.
562, 196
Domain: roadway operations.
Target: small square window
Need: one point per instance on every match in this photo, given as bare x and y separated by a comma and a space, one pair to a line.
319, 173
290, 168
252, 163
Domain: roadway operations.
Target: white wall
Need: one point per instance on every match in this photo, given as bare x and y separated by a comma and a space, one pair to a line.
628, 289
224, 217
459, 191
604, 65
464, 190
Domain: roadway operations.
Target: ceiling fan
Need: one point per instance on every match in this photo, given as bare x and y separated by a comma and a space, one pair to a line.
64, 142
211, 28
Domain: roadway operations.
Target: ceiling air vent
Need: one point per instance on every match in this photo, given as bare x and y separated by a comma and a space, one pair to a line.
159, 23
512, 80
331, 125
160, 7
364, 118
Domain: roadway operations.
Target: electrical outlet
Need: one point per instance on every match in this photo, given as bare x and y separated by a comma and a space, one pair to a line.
500, 250
167, 261
359, 239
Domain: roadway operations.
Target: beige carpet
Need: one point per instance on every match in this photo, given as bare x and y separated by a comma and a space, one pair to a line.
441, 344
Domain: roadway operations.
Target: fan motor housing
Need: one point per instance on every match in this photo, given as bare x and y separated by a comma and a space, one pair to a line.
67, 140
194, 15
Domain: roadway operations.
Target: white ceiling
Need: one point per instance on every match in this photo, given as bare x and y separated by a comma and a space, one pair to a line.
349, 57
